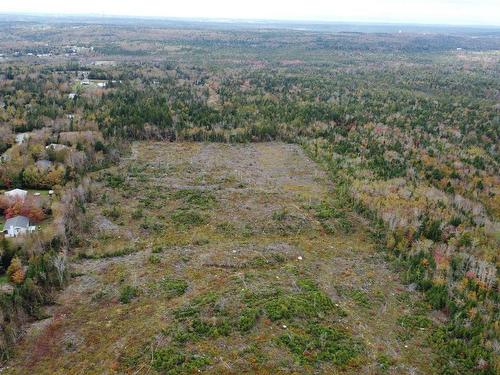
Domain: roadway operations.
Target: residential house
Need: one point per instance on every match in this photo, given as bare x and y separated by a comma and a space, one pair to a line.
17, 225
44, 165
56, 147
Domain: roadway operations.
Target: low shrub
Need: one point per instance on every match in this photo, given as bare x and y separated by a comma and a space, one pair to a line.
115, 181
280, 215
113, 213
188, 218
248, 319
110, 254
360, 298
154, 225
173, 361
173, 287
158, 249
414, 321
128, 293
320, 343
137, 214
154, 259
309, 303
196, 198
437, 296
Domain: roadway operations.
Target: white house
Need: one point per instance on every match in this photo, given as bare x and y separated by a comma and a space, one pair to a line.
16, 194
17, 225
56, 147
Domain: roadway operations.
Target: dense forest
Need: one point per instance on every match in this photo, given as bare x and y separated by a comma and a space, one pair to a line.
406, 124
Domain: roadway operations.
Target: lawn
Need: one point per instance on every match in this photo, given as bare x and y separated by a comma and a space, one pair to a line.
43, 192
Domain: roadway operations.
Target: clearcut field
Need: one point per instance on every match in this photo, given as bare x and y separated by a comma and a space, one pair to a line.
226, 259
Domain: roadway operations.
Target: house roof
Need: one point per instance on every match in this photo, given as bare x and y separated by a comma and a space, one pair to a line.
15, 192
56, 146
43, 164
17, 222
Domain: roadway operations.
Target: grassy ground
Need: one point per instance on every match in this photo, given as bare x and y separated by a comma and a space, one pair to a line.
226, 259
43, 192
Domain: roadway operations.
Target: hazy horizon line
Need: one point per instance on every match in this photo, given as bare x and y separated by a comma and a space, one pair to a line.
248, 20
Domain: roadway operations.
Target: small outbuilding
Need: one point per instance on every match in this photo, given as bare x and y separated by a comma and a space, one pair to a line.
17, 225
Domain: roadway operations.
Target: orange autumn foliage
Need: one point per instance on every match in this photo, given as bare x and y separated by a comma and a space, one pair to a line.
26, 208
15, 271
17, 277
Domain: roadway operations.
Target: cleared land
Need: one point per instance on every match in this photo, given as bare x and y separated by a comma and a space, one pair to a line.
226, 259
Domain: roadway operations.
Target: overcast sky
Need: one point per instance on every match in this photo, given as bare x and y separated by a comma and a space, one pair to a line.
477, 12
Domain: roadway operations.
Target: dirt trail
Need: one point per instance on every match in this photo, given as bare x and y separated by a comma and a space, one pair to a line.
224, 229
